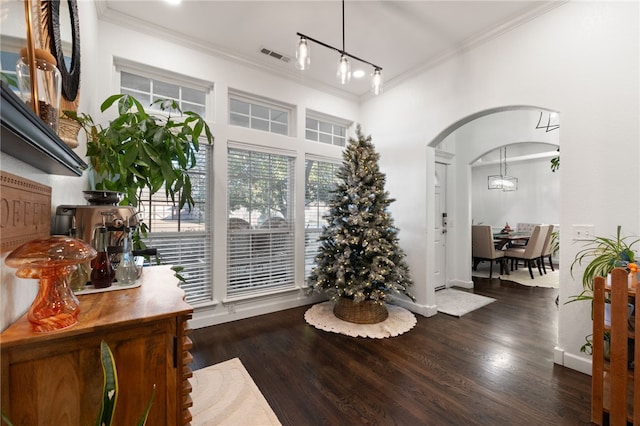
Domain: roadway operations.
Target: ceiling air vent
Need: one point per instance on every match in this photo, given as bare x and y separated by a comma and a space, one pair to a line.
273, 54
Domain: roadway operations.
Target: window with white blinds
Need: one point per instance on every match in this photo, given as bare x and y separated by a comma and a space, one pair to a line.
260, 237
183, 237
320, 180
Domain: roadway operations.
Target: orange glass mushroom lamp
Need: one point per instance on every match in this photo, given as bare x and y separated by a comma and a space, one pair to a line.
51, 259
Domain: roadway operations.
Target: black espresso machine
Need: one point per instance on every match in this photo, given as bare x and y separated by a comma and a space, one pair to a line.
84, 222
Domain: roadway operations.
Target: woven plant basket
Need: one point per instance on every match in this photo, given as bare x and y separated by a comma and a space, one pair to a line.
365, 312
68, 131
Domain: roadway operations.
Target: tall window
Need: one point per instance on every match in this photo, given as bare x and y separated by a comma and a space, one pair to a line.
320, 180
260, 238
182, 237
254, 114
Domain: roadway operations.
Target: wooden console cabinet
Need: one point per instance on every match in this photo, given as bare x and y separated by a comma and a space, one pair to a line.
56, 378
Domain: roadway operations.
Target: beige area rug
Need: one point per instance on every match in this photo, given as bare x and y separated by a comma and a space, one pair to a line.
521, 276
399, 321
225, 394
457, 302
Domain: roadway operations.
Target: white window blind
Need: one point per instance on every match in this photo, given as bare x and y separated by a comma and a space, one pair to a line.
320, 180
260, 238
183, 237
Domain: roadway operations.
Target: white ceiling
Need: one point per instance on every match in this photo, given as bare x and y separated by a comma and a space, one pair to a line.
402, 37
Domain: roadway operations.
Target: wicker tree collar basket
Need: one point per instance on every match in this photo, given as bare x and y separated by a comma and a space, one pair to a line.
365, 312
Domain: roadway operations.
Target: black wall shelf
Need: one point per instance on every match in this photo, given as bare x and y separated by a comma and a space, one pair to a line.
27, 138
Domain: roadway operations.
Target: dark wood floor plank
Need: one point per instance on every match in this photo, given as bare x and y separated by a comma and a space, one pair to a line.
493, 366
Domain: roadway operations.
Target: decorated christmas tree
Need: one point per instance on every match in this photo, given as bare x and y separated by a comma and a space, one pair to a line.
359, 257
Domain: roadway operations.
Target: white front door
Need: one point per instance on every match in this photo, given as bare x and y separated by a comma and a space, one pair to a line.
440, 231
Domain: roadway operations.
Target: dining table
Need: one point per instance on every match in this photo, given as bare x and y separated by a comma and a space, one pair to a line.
501, 240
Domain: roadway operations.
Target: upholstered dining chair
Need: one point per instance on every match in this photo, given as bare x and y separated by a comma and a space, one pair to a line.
482, 248
546, 250
532, 252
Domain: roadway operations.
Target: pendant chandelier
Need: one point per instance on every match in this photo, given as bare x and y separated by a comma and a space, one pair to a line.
303, 59
503, 180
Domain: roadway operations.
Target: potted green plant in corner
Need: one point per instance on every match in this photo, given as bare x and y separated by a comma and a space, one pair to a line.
139, 150
603, 255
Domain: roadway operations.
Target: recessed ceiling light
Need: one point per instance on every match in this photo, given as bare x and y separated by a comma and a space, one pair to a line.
358, 74
174, 2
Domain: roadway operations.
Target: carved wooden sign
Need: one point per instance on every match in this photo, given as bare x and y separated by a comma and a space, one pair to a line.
25, 211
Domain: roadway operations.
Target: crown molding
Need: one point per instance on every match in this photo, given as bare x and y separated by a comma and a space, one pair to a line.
477, 40
106, 14
118, 18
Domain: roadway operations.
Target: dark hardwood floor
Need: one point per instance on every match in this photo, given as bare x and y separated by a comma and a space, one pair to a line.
493, 366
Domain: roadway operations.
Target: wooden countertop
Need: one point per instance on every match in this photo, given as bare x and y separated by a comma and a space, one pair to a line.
156, 298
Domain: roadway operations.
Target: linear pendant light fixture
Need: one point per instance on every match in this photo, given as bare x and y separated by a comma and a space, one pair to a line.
303, 59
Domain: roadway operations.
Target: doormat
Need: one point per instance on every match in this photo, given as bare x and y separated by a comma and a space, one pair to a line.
399, 321
458, 303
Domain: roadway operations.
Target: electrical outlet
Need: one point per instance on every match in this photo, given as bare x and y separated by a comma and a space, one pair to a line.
231, 307
582, 232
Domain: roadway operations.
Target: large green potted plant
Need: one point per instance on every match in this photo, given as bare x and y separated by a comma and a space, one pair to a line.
139, 150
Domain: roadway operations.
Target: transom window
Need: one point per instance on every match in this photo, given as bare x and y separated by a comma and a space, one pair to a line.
147, 90
326, 131
258, 115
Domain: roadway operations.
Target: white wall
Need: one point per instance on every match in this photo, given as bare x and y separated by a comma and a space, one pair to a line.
580, 59
17, 294
537, 199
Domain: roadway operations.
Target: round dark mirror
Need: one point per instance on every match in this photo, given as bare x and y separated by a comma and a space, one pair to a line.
64, 19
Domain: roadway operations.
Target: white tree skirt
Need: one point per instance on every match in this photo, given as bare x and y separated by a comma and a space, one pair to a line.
399, 321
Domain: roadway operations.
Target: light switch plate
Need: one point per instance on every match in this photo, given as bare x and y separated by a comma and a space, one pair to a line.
582, 232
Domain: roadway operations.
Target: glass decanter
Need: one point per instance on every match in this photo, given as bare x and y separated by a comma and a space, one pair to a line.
102, 273
127, 272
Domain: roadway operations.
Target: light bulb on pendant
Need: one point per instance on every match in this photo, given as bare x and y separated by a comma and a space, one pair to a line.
376, 81
302, 54
344, 70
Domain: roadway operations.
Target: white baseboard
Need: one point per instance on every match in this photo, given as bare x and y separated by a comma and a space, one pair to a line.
460, 283
572, 361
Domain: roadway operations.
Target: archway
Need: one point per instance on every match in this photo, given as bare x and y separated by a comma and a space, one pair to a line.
458, 146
